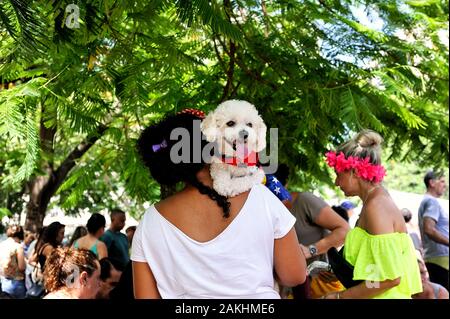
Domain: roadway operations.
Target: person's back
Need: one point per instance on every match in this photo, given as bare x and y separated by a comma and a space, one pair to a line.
96, 228
88, 243
9, 267
382, 216
200, 244
12, 263
215, 258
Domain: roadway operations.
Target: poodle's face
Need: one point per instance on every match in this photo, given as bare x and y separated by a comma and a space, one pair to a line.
236, 127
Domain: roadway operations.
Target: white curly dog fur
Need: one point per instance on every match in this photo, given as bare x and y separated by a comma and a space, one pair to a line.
237, 129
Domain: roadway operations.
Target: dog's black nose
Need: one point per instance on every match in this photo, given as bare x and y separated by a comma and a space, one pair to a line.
243, 134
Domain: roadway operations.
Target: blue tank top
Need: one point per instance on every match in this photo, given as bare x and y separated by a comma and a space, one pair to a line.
93, 247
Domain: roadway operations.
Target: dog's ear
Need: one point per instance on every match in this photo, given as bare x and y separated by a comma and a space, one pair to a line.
261, 130
209, 127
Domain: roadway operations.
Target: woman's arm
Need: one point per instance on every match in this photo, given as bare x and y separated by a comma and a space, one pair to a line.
144, 283
365, 290
47, 251
329, 219
429, 228
33, 259
102, 251
290, 263
21, 259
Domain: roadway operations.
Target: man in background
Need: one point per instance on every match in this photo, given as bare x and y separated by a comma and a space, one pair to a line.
117, 242
433, 224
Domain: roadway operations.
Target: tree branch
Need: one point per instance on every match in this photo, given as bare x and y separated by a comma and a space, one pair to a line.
58, 176
266, 18
230, 71
219, 58
46, 137
255, 75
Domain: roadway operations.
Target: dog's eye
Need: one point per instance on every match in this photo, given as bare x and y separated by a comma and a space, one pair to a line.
230, 123
249, 124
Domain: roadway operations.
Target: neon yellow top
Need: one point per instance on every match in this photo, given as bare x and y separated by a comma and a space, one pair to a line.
381, 257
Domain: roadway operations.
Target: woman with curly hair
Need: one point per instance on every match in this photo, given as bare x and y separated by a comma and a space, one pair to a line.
199, 244
72, 274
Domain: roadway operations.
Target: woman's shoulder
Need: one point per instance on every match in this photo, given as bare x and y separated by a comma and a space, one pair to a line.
149, 214
382, 216
15, 245
47, 249
10, 245
100, 244
261, 189
85, 241
178, 199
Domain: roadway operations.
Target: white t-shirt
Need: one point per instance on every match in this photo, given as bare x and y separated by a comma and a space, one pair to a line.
238, 263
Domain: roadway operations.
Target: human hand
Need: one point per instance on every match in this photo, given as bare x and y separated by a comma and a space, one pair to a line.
305, 251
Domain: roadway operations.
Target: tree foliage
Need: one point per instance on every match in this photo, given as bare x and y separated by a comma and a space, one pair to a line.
319, 70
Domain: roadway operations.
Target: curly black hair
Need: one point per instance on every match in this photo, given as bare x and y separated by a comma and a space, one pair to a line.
155, 145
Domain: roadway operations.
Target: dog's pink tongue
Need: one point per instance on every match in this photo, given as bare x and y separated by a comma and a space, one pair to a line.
241, 151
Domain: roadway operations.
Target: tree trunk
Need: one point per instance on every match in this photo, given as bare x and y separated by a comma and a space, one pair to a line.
37, 204
42, 188
35, 210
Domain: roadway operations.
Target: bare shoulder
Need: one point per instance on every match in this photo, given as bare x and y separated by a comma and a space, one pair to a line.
102, 249
101, 244
179, 204
379, 216
166, 205
81, 241
47, 250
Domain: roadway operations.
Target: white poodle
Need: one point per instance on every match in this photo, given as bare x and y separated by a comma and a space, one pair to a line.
239, 133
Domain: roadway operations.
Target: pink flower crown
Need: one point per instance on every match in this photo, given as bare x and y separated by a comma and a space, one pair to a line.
363, 168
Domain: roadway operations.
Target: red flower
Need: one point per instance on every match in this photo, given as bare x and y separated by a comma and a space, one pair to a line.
331, 158
364, 169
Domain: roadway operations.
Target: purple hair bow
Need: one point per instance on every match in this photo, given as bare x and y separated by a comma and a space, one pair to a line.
158, 147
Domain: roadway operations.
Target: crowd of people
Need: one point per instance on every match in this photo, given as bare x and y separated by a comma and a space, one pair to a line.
266, 242
90, 266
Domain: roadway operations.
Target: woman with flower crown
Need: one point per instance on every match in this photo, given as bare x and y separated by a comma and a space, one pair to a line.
379, 247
